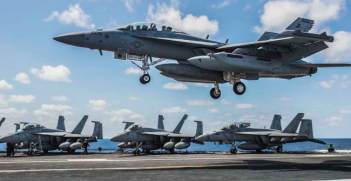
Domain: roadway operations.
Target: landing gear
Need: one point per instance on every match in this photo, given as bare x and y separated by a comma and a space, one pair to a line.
233, 151
144, 79
136, 151
258, 151
215, 92
279, 149
146, 66
239, 88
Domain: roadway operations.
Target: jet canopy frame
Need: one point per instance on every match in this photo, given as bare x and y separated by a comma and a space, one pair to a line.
149, 26
32, 126
236, 125
134, 127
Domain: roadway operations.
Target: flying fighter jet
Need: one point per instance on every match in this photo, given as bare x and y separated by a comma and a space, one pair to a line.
274, 55
259, 139
44, 139
152, 138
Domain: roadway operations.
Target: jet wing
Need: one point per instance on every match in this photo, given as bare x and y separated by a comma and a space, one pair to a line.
267, 133
182, 42
76, 136
310, 65
64, 134
278, 41
180, 135
156, 133
52, 133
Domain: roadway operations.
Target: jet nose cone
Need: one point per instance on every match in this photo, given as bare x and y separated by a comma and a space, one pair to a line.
203, 138
75, 39
6, 139
117, 138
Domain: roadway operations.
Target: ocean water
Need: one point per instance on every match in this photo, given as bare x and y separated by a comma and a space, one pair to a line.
339, 144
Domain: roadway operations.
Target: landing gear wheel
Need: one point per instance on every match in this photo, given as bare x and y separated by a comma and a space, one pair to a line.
233, 151
215, 95
239, 88
144, 79
279, 149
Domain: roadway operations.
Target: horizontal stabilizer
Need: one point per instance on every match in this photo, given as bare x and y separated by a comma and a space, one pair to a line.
323, 65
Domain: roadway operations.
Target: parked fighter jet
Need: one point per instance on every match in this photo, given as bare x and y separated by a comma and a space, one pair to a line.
39, 137
259, 139
274, 55
152, 139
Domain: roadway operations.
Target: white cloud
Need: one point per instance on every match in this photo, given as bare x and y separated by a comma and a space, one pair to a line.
175, 86
133, 71
201, 85
173, 110
335, 120
129, 4
5, 86
3, 102
199, 103
221, 5
172, 16
59, 98
74, 15
345, 111
279, 13
23, 78
57, 74
12, 112
224, 101
285, 99
245, 106
97, 105
21, 98
193, 118
340, 50
125, 115
52, 110
247, 7
327, 84
213, 110
134, 98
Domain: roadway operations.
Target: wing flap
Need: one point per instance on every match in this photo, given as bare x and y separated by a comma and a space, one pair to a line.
156, 133
76, 136
180, 135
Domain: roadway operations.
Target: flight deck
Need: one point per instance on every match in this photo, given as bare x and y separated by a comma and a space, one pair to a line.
180, 166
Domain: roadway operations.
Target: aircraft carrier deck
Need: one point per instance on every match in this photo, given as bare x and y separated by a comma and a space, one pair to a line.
205, 166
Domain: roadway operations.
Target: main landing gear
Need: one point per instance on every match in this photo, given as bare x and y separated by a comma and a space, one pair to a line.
145, 67
239, 88
136, 151
233, 150
279, 149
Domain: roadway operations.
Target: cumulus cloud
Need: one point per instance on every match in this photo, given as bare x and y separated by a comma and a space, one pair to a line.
133, 71
97, 105
52, 110
49, 73
12, 112
335, 120
247, 7
59, 98
285, 99
74, 15
175, 86
224, 101
173, 110
245, 106
201, 85
327, 84
125, 115
3, 102
129, 4
279, 13
5, 86
213, 110
340, 50
199, 102
172, 16
22, 78
221, 5
21, 98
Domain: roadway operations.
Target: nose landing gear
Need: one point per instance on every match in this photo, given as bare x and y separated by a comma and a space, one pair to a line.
144, 79
215, 92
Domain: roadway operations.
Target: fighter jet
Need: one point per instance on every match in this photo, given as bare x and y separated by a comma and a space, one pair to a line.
274, 55
259, 139
36, 136
152, 138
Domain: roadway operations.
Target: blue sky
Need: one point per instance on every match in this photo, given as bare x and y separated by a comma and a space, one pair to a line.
41, 78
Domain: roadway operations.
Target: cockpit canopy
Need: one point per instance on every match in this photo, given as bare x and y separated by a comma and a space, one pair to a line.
134, 127
236, 125
145, 26
31, 126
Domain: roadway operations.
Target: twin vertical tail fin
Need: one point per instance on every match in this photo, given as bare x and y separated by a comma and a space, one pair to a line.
160, 122
2, 121
301, 24
79, 128
180, 124
97, 133
199, 129
61, 123
306, 128
127, 124
276, 122
294, 124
